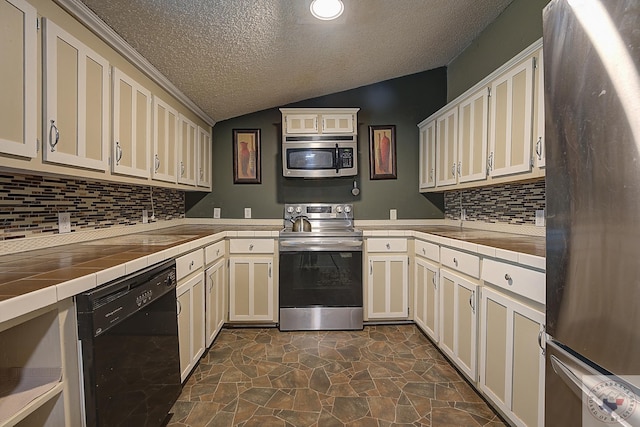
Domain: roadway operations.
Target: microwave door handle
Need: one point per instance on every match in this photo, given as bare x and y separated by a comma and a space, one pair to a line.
337, 159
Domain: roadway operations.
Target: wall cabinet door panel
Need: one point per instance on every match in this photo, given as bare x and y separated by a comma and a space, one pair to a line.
473, 116
538, 111
428, 155
18, 85
205, 161
165, 141
187, 152
131, 126
447, 148
76, 100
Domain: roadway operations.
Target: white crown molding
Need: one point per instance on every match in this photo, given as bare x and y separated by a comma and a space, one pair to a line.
88, 18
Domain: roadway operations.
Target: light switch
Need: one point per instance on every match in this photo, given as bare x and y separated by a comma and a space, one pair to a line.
247, 212
393, 214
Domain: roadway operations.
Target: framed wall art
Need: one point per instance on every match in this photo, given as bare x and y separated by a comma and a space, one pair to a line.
246, 156
382, 152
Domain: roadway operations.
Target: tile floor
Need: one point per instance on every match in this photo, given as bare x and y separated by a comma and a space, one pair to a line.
381, 376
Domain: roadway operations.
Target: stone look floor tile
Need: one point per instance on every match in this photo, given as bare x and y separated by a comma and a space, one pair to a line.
380, 376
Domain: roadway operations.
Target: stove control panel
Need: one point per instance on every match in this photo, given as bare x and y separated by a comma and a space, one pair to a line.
318, 211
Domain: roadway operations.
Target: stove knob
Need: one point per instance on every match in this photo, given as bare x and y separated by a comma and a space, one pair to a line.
298, 209
339, 209
347, 209
290, 209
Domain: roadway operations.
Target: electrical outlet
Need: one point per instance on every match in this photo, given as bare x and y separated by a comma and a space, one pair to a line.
247, 212
540, 218
64, 222
393, 214
463, 215
145, 217
216, 213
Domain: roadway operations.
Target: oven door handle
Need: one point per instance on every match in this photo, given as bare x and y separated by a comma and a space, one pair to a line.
318, 245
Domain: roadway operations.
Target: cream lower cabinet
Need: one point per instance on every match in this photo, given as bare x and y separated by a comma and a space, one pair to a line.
387, 275
458, 321
426, 299
191, 330
511, 359
251, 280
215, 300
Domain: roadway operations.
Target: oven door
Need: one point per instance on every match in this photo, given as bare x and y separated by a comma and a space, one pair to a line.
319, 159
327, 278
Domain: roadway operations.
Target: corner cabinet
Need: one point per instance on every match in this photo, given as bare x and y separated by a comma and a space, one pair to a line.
19, 83
203, 176
165, 141
427, 154
76, 102
131, 126
387, 279
251, 280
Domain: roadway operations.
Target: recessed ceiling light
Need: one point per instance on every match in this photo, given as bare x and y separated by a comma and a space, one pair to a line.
327, 9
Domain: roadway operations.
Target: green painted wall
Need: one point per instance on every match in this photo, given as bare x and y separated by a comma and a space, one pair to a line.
403, 102
516, 28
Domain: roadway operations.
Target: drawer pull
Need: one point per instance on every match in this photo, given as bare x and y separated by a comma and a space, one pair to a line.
217, 252
455, 262
388, 246
251, 247
424, 251
191, 264
507, 277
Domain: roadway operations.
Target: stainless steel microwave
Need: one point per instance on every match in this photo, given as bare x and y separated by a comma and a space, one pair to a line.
319, 156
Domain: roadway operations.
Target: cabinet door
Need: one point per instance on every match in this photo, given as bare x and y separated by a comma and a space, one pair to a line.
301, 123
198, 318
446, 148
472, 136
458, 301
426, 298
131, 126
388, 287
511, 359
18, 85
338, 123
428, 155
184, 329
214, 307
76, 102
538, 110
204, 158
187, 151
251, 291
511, 104
165, 141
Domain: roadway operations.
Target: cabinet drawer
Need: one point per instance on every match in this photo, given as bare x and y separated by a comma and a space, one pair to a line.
251, 246
188, 263
428, 250
522, 281
387, 245
461, 261
213, 252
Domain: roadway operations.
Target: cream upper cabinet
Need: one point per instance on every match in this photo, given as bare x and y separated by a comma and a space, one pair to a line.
511, 104
538, 110
131, 126
18, 85
458, 320
338, 123
447, 147
165, 141
187, 152
427, 155
313, 121
76, 102
473, 115
301, 123
203, 176
512, 361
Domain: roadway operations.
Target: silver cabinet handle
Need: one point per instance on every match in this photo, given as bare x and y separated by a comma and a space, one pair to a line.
473, 308
191, 264
157, 165
539, 148
179, 307
118, 152
388, 246
251, 247
269, 270
181, 169
431, 175
453, 170
455, 262
201, 173
490, 162
540, 334
433, 279
507, 277
370, 267
217, 252
53, 143
424, 252
459, 168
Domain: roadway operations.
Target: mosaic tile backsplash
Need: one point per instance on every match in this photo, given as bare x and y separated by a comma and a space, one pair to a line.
29, 204
514, 203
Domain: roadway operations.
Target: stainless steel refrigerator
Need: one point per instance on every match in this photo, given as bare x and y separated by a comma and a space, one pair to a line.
592, 128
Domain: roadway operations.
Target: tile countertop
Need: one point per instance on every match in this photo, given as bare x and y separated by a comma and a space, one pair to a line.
44, 276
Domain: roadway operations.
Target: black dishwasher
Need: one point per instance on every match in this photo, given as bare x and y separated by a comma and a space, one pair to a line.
128, 334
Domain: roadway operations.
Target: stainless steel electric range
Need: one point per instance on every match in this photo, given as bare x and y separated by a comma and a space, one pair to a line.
320, 269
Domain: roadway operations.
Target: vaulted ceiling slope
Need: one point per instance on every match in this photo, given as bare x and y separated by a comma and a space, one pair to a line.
234, 57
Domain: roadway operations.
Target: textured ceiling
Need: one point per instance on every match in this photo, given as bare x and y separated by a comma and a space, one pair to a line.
234, 57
